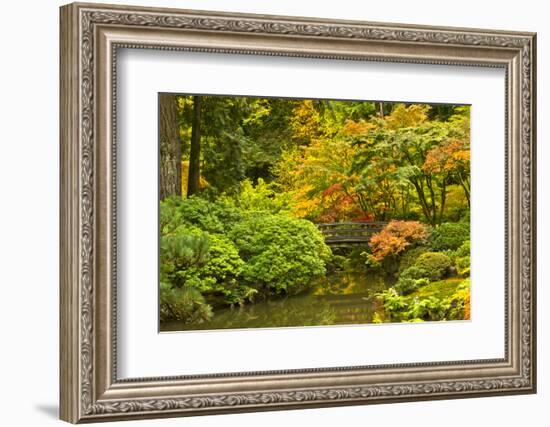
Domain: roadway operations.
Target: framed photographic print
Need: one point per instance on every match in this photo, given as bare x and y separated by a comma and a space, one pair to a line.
265, 212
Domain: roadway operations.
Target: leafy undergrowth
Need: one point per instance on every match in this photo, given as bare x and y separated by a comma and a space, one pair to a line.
440, 289
443, 300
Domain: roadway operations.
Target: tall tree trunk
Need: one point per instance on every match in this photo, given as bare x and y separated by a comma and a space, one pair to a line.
381, 109
423, 202
443, 199
195, 152
465, 184
170, 147
433, 203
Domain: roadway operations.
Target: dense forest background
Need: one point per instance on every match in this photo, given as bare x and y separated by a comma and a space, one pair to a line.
244, 181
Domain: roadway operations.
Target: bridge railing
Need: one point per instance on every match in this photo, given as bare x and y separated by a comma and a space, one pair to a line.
350, 232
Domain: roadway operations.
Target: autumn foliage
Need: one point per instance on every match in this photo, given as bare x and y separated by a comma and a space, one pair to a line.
396, 237
448, 157
278, 189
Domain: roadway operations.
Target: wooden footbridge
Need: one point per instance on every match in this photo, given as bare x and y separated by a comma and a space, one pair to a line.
344, 234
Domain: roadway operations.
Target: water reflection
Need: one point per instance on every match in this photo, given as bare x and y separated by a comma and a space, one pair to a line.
341, 298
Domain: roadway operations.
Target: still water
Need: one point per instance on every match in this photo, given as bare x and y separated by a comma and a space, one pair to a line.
342, 298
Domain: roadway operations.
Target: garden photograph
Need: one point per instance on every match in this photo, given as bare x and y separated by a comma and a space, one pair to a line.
287, 212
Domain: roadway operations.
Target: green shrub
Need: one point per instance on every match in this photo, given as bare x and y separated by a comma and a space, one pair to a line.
461, 258
219, 279
224, 263
434, 264
183, 304
408, 258
414, 272
178, 253
463, 250
282, 254
195, 261
428, 266
407, 285
463, 265
449, 236
405, 309
431, 308
393, 303
262, 198
214, 217
226, 255
460, 302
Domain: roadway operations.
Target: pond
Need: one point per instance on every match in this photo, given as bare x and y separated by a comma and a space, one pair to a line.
341, 298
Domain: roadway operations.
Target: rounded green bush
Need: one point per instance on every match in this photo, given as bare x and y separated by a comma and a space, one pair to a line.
180, 251
434, 264
449, 236
407, 285
282, 254
219, 278
410, 256
414, 272
218, 216
183, 304
194, 261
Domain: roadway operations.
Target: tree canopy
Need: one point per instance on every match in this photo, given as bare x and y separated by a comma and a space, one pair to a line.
337, 160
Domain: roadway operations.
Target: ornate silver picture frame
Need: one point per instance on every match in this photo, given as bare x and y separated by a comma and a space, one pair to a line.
91, 390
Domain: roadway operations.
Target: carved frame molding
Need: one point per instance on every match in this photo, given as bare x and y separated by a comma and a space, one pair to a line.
90, 37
